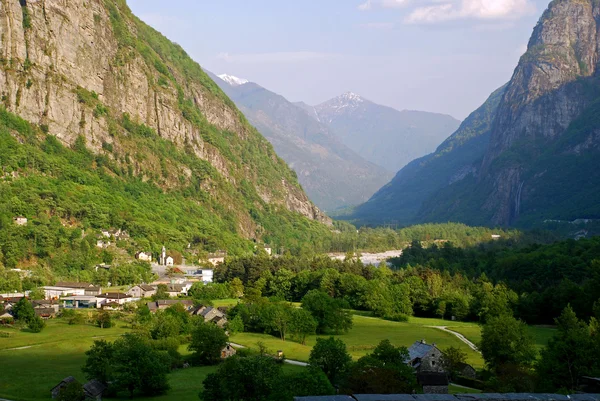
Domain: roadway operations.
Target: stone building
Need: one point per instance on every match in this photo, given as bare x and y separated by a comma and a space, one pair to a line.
424, 357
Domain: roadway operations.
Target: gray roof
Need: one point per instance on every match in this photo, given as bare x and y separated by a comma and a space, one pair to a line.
325, 398
94, 388
383, 397
585, 397
419, 350
65, 381
434, 397
487, 396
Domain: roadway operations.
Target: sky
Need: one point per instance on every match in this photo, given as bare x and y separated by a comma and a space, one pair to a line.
443, 56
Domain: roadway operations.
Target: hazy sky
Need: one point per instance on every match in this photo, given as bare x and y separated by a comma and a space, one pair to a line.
434, 55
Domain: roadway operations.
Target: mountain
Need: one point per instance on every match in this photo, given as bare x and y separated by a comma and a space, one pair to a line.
106, 124
401, 200
544, 143
332, 175
382, 135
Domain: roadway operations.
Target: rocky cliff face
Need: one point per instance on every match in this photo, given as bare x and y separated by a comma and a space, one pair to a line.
551, 87
76, 66
541, 161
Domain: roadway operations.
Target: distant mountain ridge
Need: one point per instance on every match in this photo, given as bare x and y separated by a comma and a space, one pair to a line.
333, 175
383, 135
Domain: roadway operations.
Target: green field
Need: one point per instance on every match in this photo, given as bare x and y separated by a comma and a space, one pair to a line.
473, 332
59, 350
366, 334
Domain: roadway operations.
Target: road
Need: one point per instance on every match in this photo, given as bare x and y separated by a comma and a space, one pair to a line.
458, 335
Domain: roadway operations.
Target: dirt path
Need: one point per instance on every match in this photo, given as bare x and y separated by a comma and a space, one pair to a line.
458, 335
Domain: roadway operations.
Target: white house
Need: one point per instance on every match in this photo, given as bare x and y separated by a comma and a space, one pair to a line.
111, 299
54, 292
144, 256
496, 237
169, 261
102, 244
20, 220
269, 251
207, 275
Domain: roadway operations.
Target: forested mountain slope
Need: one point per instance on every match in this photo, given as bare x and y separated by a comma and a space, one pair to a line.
128, 132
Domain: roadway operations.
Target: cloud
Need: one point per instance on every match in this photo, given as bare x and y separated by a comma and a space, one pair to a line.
276, 57
370, 4
474, 9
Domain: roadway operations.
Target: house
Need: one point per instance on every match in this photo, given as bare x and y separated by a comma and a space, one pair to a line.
6, 318
45, 313
496, 237
55, 292
207, 275
113, 300
433, 382
144, 256
169, 261
20, 220
92, 291
165, 303
227, 351
142, 291
211, 314
103, 267
106, 233
80, 302
94, 389
46, 304
102, 244
64, 383
466, 370
424, 357
174, 290
216, 258
269, 251
74, 285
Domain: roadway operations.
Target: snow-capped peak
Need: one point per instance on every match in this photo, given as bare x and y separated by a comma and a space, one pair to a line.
351, 97
233, 81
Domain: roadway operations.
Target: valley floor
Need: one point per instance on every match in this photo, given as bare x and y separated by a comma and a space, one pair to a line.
34, 363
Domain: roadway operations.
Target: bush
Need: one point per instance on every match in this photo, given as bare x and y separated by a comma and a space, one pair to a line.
104, 320
36, 324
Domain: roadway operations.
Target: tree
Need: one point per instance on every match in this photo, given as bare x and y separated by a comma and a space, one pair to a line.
328, 312
453, 358
23, 310
71, 392
282, 314
570, 354
161, 293
207, 342
237, 287
330, 355
36, 324
384, 371
129, 364
309, 382
236, 325
98, 362
165, 326
104, 320
505, 340
249, 379
302, 324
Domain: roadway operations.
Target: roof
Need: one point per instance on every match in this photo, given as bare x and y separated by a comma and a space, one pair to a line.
383, 397
174, 287
66, 380
434, 397
433, 379
68, 284
325, 398
6, 316
44, 311
94, 388
147, 287
419, 349
113, 295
